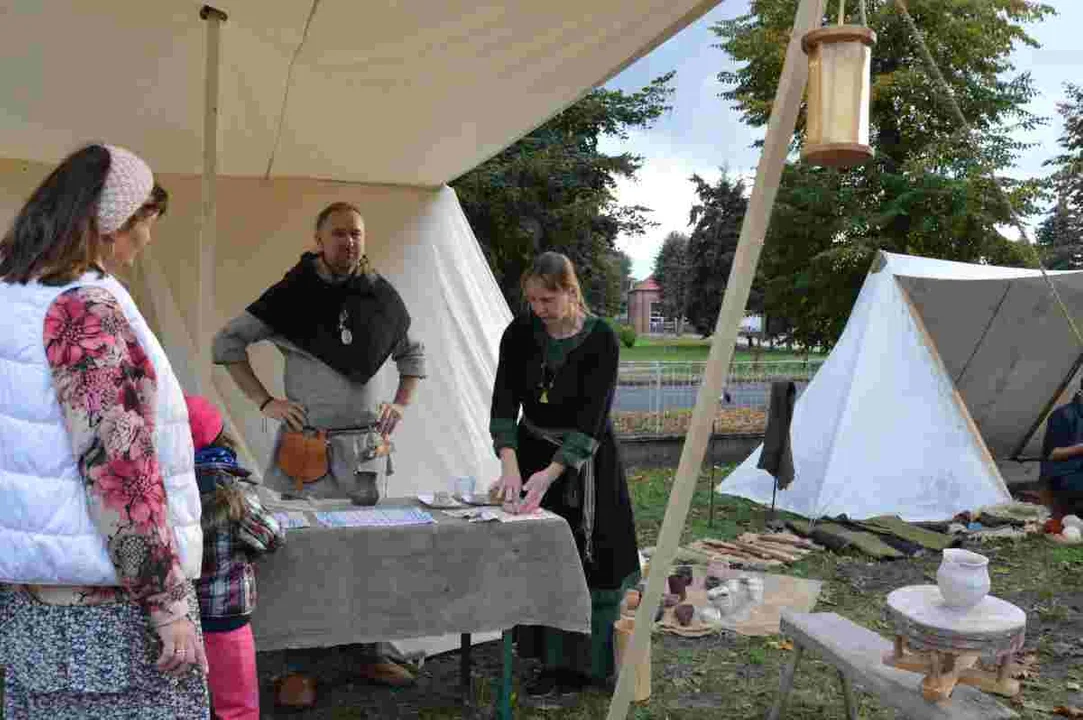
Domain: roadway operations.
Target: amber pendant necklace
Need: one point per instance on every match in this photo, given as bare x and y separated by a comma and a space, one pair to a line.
547, 379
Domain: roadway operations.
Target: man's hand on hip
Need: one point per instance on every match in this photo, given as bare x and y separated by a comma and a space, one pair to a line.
286, 411
388, 420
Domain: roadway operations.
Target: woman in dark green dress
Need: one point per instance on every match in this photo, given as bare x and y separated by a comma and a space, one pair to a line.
558, 364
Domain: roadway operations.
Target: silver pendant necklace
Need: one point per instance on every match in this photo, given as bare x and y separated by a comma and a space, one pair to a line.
343, 329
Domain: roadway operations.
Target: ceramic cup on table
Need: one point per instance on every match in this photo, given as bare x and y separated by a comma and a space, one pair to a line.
464, 485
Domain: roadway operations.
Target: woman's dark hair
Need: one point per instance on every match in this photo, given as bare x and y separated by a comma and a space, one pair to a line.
156, 204
54, 238
334, 208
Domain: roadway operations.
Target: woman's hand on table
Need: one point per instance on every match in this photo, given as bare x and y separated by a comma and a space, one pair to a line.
509, 487
536, 487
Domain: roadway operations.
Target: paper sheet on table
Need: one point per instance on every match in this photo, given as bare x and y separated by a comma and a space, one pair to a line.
374, 517
292, 520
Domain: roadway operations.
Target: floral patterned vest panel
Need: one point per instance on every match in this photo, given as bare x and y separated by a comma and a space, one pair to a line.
47, 536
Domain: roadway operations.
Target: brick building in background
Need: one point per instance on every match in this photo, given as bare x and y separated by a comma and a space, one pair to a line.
645, 306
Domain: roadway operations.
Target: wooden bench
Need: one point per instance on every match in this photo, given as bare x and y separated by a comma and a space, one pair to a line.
857, 653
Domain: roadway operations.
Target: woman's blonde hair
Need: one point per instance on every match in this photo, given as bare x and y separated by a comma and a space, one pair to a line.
228, 500
556, 273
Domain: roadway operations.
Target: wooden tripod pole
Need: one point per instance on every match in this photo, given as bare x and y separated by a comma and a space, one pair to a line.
208, 236
791, 88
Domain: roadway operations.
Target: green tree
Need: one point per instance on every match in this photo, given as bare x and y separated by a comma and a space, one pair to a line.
671, 272
1061, 233
927, 191
716, 221
554, 190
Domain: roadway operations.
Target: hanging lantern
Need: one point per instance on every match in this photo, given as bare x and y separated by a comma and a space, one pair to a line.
839, 63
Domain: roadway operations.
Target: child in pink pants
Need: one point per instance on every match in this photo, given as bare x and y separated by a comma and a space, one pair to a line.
236, 530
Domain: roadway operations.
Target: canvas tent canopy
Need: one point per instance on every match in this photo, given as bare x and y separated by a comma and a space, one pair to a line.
378, 104
258, 122
943, 370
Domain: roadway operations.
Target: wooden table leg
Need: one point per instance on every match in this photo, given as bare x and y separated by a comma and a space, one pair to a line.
464, 666
848, 696
786, 683
504, 709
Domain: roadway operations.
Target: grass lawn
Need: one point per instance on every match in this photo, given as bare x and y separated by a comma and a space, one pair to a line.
697, 349
731, 676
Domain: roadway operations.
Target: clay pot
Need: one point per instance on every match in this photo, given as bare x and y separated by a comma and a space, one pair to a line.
684, 571
364, 490
678, 584
963, 578
711, 582
631, 599
722, 600
684, 613
670, 599
295, 691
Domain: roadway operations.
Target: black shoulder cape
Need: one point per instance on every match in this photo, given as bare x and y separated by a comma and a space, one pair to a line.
306, 310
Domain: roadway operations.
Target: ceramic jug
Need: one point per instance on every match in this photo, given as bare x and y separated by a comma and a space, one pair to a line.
963, 578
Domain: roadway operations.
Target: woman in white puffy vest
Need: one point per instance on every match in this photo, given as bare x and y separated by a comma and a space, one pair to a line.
99, 506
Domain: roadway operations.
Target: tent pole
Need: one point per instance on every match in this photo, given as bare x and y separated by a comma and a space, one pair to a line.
780, 128
208, 222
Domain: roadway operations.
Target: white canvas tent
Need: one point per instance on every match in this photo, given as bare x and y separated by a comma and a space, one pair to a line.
943, 370
380, 104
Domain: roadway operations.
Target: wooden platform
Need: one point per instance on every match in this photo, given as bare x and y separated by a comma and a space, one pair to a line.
857, 653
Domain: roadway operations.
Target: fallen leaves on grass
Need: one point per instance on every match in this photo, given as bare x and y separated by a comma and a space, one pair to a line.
1068, 711
736, 421
780, 644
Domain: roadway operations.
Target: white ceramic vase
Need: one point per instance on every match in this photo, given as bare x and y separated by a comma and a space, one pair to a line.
963, 578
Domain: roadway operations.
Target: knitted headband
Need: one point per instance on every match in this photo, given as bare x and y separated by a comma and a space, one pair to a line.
127, 187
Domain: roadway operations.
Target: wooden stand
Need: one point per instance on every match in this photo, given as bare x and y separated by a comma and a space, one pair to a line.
945, 644
944, 669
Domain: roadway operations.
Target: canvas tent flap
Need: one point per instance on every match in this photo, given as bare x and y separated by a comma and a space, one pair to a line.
1006, 344
412, 92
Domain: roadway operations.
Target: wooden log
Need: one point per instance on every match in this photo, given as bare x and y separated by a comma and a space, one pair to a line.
745, 549
768, 552
788, 539
762, 541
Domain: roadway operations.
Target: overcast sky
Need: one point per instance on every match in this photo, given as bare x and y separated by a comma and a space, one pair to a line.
703, 132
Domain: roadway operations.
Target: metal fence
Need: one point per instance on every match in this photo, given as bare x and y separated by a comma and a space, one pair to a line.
657, 386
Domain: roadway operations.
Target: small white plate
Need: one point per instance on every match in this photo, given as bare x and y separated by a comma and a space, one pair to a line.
431, 500
478, 499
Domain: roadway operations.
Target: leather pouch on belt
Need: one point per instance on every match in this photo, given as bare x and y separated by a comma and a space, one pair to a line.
304, 456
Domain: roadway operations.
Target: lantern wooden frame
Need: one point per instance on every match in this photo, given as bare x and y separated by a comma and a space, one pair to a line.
837, 127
